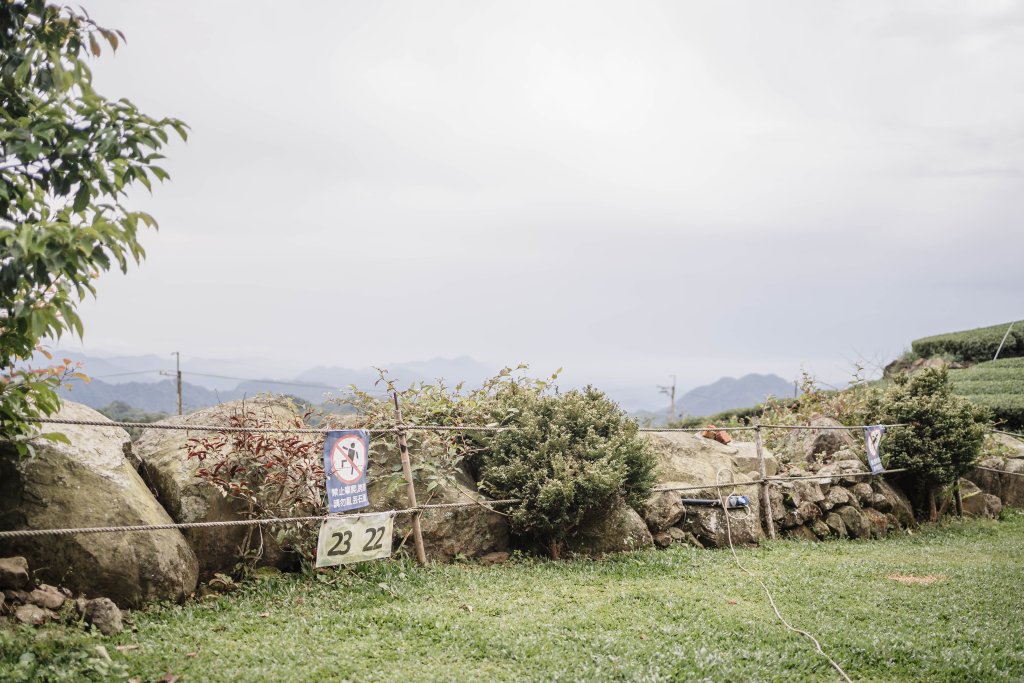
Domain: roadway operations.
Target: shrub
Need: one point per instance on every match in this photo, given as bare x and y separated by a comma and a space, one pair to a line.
270, 474
974, 345
945, 432
569, 458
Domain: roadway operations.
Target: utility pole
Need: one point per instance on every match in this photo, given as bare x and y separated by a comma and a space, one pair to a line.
670, 391
177, 356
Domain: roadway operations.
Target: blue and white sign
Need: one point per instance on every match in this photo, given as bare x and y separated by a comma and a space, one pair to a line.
346, 454
873, 438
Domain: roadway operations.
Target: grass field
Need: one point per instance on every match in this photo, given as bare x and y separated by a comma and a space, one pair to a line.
675, 615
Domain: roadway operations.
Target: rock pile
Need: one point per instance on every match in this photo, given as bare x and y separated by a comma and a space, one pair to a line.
821, 501
43, 604
88, 482
1001, 476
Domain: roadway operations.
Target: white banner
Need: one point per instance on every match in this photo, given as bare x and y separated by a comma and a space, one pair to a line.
344, 540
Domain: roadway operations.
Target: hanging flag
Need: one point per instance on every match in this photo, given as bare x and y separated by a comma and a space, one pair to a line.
346, 454
873, 438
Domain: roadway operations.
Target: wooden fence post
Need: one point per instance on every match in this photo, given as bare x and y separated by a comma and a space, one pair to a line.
403, 448
766, 503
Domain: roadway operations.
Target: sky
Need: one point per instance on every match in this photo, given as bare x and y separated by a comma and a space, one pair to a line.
629, 190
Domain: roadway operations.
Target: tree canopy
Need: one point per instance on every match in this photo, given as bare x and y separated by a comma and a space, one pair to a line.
67, 159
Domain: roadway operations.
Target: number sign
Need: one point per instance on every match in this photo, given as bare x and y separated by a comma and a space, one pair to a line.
344, 540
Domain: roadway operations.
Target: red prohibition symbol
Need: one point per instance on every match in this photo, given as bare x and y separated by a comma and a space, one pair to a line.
348, 459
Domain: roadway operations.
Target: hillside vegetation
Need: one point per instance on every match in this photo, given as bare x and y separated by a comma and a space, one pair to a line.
997, 384
973, 346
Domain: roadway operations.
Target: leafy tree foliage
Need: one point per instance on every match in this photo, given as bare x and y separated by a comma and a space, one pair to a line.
945, 432
67, 158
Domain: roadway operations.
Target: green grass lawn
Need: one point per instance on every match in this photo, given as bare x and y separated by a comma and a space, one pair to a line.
680, 614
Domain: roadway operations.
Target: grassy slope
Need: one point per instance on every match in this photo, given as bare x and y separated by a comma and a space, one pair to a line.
680, 614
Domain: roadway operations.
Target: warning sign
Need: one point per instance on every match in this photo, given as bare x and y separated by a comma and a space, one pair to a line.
345, 460
873, 439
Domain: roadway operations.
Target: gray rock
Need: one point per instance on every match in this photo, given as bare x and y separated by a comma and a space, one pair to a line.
899, 504
662, 539
844, 471
15, 597
801, 491
745, 459
88, 482
856, 525
104, 615
664, 509
166, 466
13, 572
977, 503
835, 525
811, 445
708, 525
686, 459
464, 532
879, 502
33, 615
878, 524
618, 531
1009, 487
47, 596
778, 502
805, 513
820, 528
835, 497
862, 491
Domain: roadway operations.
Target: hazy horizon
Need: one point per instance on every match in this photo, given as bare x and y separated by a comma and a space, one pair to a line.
628, 191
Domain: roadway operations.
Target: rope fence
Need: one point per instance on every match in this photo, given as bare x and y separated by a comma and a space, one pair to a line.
416, 510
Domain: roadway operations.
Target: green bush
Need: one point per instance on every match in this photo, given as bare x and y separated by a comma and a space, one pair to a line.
945, 432
570, 456
974, 345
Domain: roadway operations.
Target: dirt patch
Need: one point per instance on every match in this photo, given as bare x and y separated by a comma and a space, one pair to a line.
911, 580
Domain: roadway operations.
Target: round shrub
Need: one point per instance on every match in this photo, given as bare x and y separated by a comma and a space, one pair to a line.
945, 432
570, 457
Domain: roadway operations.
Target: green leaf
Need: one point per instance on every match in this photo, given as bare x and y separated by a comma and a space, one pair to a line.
81, 198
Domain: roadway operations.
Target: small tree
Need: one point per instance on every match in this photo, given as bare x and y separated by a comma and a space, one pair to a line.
569, 457
945, 432
67, 159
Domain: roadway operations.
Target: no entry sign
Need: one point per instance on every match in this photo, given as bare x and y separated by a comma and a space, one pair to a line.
346, 455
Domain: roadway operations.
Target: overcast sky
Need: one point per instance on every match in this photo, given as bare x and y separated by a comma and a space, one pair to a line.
628, 189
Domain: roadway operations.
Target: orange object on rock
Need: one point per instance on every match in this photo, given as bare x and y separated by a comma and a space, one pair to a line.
719, 435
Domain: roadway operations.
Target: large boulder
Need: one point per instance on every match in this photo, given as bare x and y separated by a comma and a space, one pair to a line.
1001, 477
448, 534
164, 462
896, 501
853, 519
688, 460
817, 444
89, 483
977, 503
620, 529
685, 459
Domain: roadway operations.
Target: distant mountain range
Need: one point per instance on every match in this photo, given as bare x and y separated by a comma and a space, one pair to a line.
147, 383
726, 393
